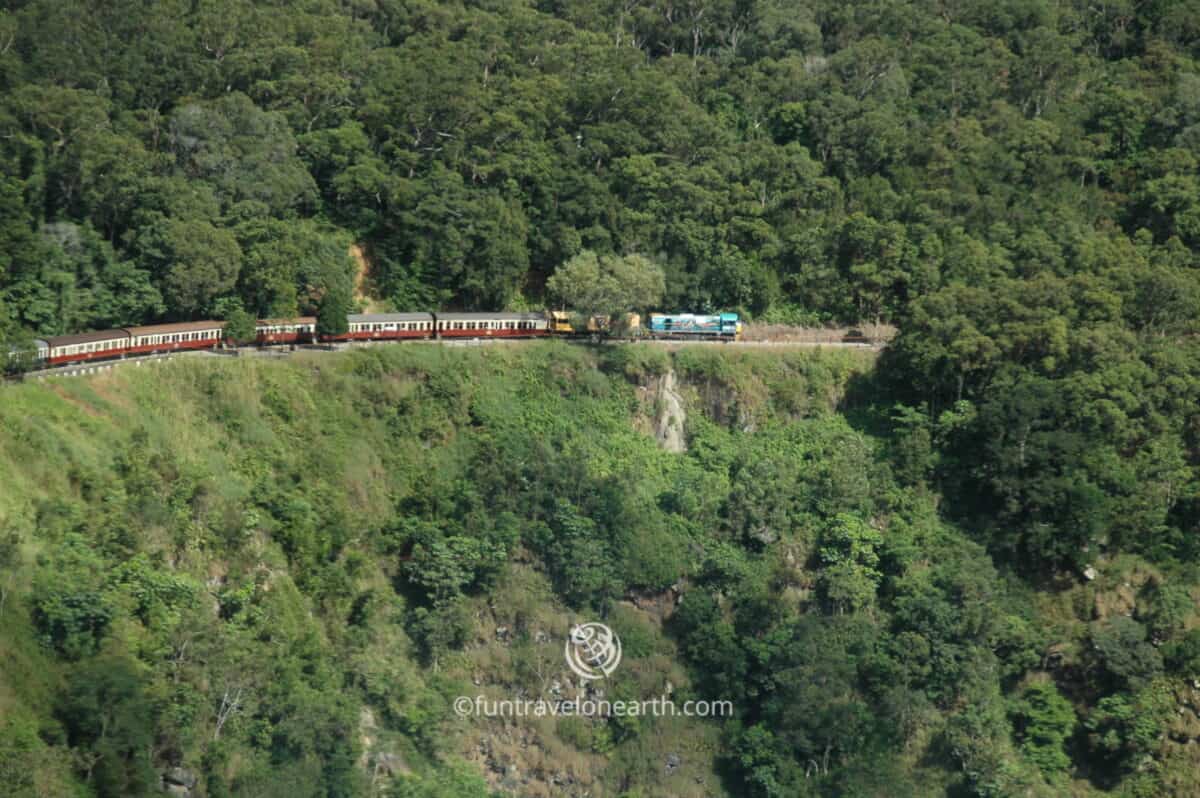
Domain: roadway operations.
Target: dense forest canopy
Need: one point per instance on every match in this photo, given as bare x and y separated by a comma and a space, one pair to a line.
807, 160
999, 564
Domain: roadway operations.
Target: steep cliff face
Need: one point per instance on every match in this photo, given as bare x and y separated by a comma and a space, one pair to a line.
283, 572
739, 390
669, 426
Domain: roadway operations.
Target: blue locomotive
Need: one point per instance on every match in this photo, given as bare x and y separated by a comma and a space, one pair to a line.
695, 325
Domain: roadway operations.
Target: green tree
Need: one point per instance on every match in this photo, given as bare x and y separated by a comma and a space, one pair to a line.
1126, 728
1045, 721
849, 554
239, 326
108, 715
194, 261
607, 284
332, 310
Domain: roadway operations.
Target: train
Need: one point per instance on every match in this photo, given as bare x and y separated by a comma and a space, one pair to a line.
62, 350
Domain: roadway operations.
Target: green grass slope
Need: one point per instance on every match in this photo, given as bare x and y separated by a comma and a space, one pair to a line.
272, 578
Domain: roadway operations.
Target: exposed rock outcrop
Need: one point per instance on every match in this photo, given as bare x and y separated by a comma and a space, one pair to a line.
668, 427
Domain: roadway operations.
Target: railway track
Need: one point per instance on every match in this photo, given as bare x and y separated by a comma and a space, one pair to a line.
101, 366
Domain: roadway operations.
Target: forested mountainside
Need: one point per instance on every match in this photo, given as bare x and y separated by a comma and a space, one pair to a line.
980, 579
263, 578
801, 160
260, 577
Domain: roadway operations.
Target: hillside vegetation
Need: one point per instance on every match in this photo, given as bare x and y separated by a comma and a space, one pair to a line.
273, 578
975, 576
801, 161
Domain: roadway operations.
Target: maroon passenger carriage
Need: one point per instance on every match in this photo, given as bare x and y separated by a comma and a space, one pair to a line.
109, 344
385, 327
84, 347
173, 337
302, 330
492, 325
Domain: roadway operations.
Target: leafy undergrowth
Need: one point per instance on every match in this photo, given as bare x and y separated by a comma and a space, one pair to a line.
273, 578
